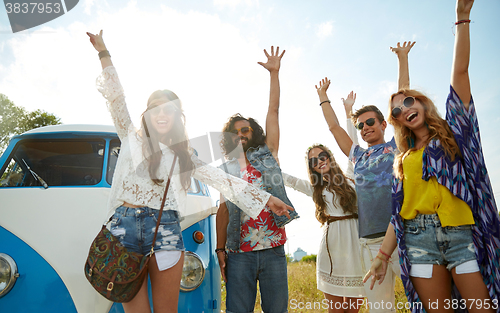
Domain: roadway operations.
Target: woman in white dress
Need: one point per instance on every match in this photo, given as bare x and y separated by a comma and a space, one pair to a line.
338, 267
146, 156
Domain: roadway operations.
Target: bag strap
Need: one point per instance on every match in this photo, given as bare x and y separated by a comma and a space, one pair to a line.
162, 204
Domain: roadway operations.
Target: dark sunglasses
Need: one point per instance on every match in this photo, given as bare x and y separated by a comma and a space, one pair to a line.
167, 109
244, 130
407, 102
323, 156
369, 122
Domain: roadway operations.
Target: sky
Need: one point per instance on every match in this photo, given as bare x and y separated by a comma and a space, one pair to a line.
207, 53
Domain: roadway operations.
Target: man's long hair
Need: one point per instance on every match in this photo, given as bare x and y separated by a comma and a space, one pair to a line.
176, 139
334, 181
227, 142
438, 128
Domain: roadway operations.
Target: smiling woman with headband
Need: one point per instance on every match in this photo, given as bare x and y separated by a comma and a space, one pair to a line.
339, 273
139, 182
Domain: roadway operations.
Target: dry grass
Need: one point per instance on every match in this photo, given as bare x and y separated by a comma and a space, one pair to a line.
302, 288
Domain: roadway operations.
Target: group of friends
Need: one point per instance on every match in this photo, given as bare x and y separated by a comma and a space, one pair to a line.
426, 192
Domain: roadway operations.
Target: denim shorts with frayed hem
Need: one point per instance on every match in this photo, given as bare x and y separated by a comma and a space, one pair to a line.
428, 242
135, 228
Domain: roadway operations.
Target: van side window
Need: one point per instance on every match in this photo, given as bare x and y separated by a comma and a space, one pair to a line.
56, 162
114, 151
194, 188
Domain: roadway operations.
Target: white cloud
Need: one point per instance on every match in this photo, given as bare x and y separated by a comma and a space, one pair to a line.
324, 30
235, 3
88, 4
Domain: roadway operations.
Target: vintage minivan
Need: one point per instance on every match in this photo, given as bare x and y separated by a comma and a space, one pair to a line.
54, 186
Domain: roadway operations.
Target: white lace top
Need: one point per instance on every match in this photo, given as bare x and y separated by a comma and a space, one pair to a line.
131, 181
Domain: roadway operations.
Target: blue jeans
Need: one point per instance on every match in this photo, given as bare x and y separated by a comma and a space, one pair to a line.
245, 269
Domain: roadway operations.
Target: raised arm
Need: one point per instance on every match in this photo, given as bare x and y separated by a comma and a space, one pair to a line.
348, 104
98, 43
404, 73
110, 87
460, 68
342, 138
272, 120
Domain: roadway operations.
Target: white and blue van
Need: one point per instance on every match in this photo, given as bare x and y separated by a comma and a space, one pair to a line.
54, 186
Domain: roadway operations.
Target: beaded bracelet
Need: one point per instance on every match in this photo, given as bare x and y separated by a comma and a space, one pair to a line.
220, 250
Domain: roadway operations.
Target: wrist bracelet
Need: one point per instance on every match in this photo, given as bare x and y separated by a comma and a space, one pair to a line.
104, 53
462, 21
381, 258
324, 102
220, 250
384, 254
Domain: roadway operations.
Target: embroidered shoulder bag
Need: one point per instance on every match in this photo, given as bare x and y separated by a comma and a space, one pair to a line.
116, 273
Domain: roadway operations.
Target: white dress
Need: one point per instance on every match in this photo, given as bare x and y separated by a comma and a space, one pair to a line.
338, 267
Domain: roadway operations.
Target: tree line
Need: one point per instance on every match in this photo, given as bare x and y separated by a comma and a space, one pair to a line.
16, 120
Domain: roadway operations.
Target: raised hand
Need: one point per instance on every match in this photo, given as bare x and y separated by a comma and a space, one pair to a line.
273, 60
323, 86
279, 207
349, 102
97, 41
404, 49
463, 9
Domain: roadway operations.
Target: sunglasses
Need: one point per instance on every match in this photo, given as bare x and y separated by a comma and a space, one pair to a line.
167, 109
369, 122
323, 156
407, 102
244, 130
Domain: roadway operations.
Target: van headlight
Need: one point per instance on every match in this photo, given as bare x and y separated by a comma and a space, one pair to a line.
193, 272
8, 274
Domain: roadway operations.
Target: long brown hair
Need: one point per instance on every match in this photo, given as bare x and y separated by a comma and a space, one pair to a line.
176, 139
438, 129
336, 182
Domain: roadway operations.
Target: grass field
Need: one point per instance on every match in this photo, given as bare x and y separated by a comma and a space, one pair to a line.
302, 289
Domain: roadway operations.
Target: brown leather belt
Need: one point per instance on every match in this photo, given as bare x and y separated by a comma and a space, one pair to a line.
331, 219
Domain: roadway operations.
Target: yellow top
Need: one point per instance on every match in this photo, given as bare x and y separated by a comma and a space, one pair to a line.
430, 197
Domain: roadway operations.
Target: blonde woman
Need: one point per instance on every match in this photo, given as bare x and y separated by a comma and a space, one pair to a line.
445, 221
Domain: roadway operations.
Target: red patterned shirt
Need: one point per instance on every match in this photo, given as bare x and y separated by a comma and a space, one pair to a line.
262, 232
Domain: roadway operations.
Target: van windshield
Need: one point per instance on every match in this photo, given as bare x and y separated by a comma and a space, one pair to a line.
55, 162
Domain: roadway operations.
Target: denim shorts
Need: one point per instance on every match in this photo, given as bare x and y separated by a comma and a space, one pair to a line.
428, 242
135, 228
